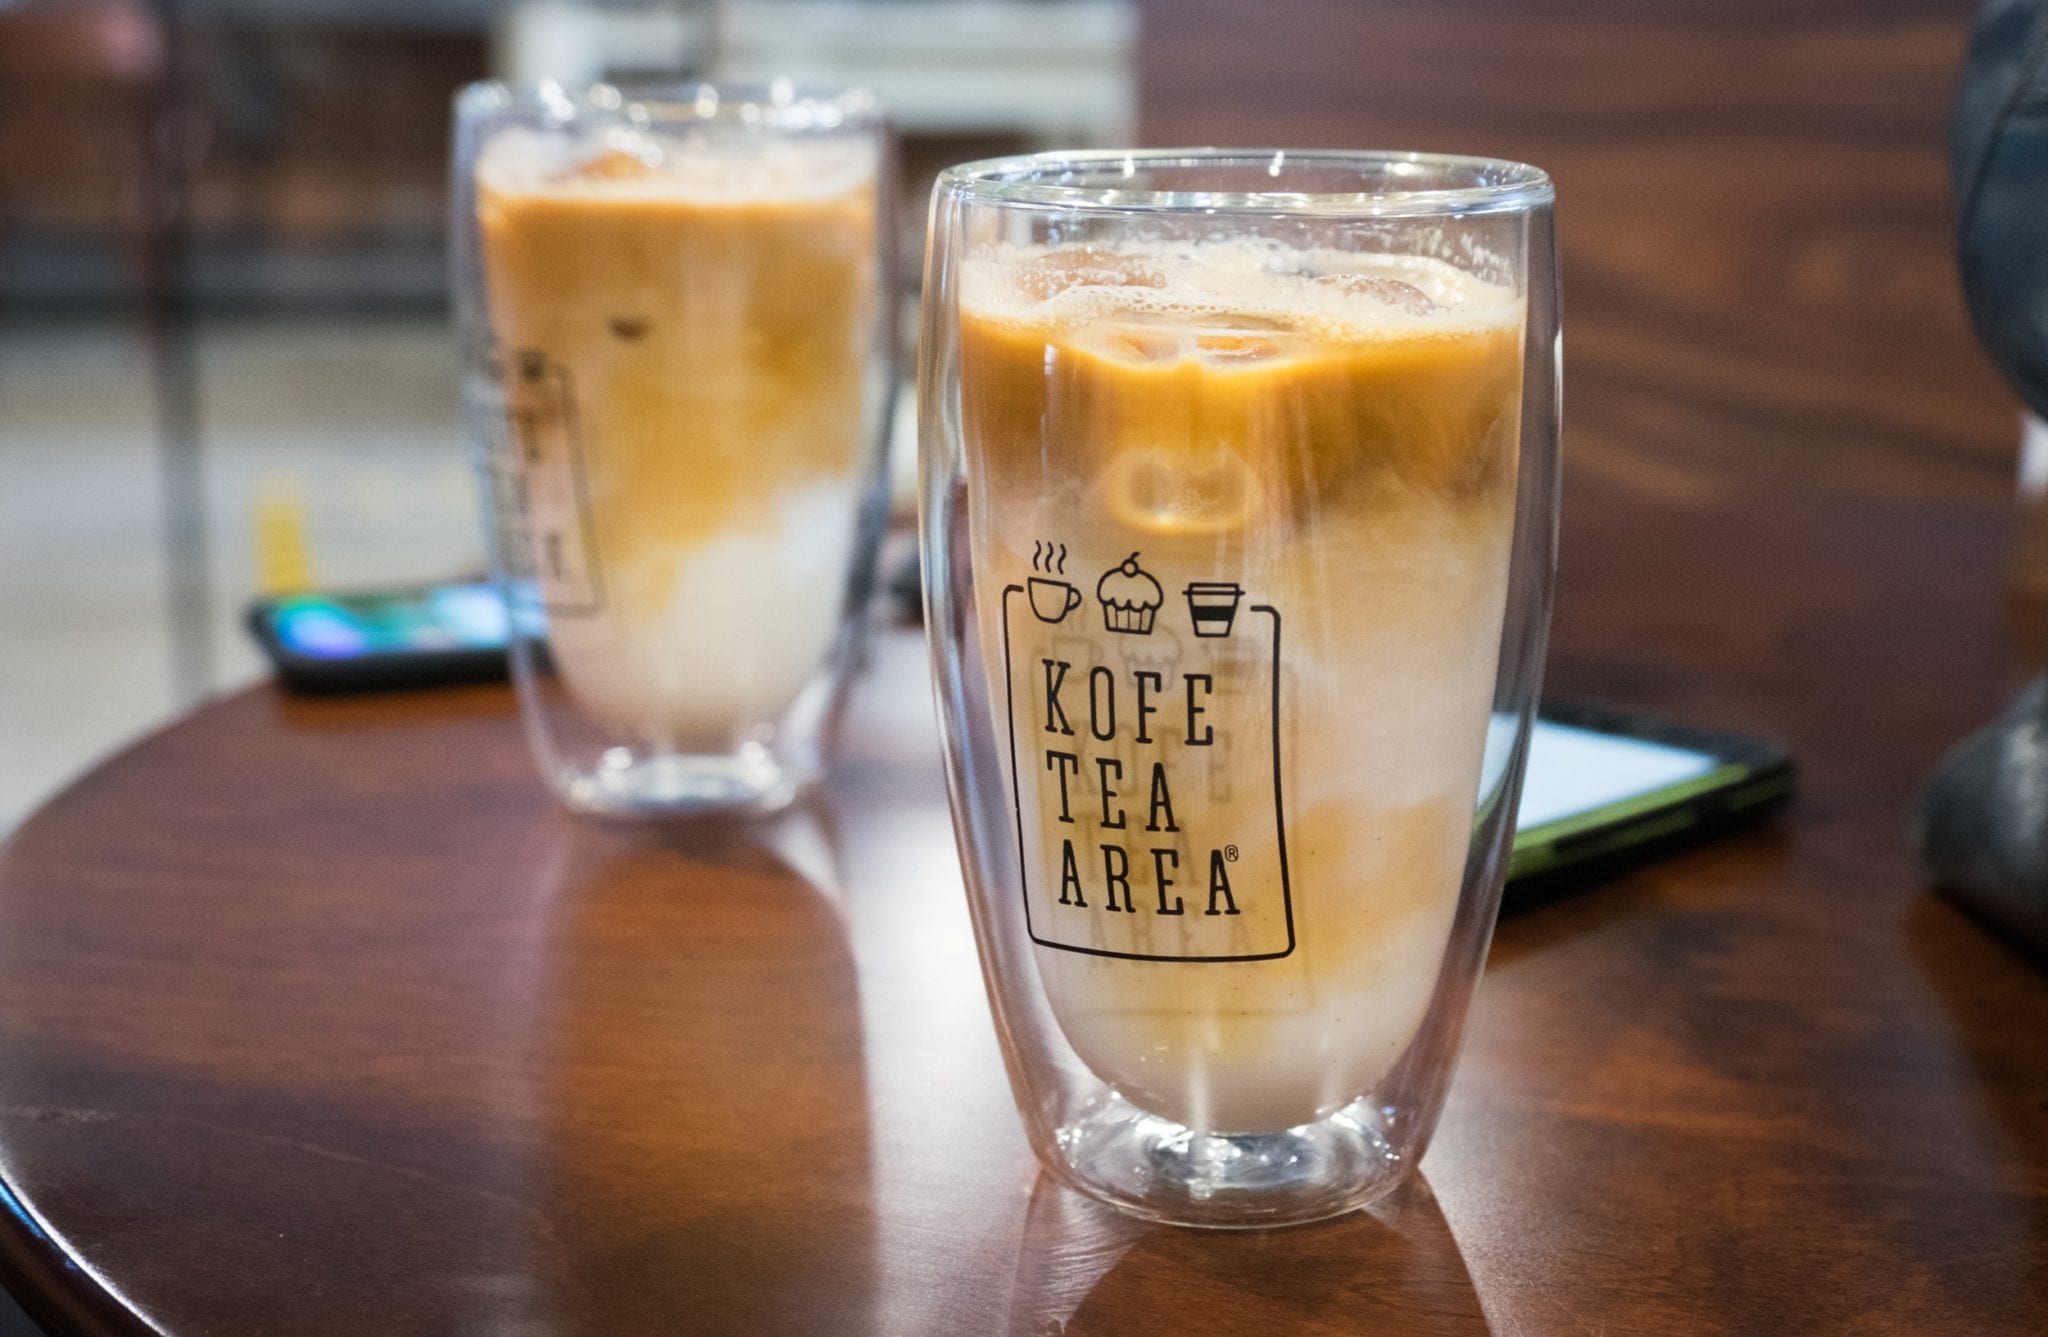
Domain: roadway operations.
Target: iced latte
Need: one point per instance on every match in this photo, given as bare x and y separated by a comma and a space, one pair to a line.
1241, 519
687, 334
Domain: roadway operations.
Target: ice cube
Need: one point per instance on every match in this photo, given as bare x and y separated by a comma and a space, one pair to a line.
614, 164
1135, 336
1394, 292
1240, 337
1173, 489
1165, 336
1139, 343
1056, 271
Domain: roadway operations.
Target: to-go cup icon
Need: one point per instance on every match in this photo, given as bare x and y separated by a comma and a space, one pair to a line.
1212, 606
1052, 600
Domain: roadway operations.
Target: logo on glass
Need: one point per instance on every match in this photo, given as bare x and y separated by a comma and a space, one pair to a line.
1146, 765
1052, 599
1212, 606
541, 475
1130, 598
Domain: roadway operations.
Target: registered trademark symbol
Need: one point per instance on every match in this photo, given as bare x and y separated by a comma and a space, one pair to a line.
1230, 853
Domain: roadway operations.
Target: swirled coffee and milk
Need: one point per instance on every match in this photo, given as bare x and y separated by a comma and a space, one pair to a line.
1241, 529
685, 327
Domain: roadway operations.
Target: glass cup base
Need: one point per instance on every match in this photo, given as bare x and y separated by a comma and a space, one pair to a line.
1163, 1171
750, 782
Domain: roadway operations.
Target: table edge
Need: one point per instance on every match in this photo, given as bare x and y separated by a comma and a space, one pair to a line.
52, 1285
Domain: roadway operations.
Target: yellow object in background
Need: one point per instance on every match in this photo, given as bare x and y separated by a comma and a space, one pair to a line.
284, 562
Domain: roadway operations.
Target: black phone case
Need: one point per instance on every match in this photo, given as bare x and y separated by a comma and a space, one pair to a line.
1767, 782
373, 672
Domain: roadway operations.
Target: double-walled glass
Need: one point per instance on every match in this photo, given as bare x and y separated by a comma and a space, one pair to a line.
1239, 503
675, 313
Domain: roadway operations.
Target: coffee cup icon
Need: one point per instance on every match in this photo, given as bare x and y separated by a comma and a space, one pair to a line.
1052, 600
1212, 606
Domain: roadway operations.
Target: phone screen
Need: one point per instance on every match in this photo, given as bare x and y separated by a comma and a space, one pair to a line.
1574, 771
447, 617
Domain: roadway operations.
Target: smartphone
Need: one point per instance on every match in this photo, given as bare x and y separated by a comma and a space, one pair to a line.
375, 639
1606, 787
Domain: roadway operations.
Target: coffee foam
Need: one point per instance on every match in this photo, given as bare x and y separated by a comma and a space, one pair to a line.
623, 163
1323, 293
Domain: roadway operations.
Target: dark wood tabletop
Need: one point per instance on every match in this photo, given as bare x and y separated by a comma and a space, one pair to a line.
317, 1017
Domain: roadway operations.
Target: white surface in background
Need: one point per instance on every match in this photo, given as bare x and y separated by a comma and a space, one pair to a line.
1063, 74
575, 42
1576, 770
2033, 456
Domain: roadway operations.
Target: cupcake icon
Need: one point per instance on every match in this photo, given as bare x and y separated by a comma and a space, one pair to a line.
1130, 597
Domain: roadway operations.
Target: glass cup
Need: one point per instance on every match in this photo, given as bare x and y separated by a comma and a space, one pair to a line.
1239, 511
675, 318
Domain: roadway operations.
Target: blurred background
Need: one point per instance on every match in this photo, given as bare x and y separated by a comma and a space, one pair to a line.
224, 361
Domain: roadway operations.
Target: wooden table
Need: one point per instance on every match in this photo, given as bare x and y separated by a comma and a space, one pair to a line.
317, 1018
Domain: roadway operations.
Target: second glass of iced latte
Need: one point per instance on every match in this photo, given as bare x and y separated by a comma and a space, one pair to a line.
1239, 491
675, 310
